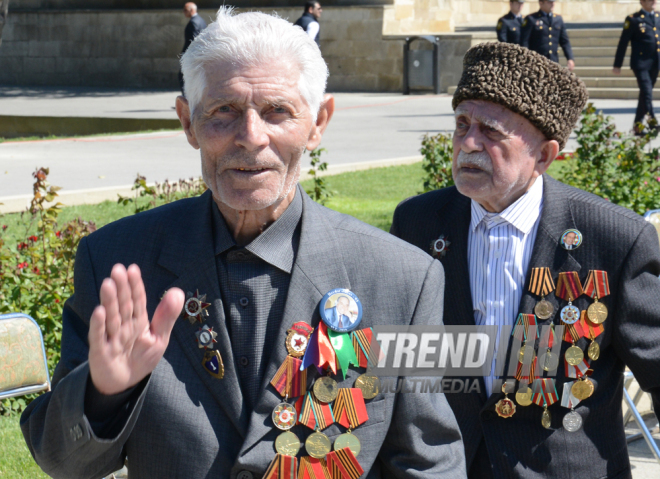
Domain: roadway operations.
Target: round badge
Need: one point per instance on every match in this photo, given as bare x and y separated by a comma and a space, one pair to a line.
544, 309
341, 310
348, 440
287, 444
572, 422
317, 445
574, 356
597, 313
369, 385
570, 314
325, 389
439, 247
526, 351
550, 361
571, 239
284, 416
505, 408
524, 396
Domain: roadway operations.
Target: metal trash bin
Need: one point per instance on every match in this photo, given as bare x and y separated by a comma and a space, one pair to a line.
420, 67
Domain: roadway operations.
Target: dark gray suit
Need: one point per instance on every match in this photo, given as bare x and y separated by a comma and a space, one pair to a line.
187, 424
615, 240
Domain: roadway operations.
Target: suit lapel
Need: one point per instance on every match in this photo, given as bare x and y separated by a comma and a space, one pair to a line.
318, 268
190, 256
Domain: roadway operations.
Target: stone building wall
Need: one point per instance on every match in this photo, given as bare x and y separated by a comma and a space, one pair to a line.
139, 48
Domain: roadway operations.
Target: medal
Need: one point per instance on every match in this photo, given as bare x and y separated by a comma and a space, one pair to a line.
505, 407
313, 413
570, 314
569, 288
546, 418
572, 421
362, 345
369, 385
440, 247
284, 416
571, 239
583, 388
593, 351
317, 445
341, 310
289, 380
550, 361
287, 444
541, 284
325, 389
574, 355
597, 286
212, 362
348, 440
349, 409
206, 337
524, 396
297, 339
342, 464
544, 393
526, 351
194, 309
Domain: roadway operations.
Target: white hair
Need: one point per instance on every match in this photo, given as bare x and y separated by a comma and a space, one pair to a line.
248, 40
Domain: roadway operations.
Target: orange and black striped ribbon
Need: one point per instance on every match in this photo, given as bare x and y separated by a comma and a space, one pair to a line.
541, 282
289, 380
350, 410
311, 468
343, 465
282, 467
529, 369
362, 345
591, 330
597, 285
569, 287
525, 325
573, 332
315, 414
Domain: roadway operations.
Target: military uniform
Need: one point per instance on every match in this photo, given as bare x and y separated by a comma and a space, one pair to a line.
508, 28
544, 34
641, 29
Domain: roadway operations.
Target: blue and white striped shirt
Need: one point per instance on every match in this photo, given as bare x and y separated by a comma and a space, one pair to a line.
499, 249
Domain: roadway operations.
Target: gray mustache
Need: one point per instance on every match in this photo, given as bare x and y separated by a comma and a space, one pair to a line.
479, 159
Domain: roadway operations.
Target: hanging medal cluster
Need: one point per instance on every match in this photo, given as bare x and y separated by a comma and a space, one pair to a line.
195, 311
541, 391
331, 349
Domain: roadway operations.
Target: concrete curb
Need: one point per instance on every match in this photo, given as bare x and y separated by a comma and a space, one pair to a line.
14, 204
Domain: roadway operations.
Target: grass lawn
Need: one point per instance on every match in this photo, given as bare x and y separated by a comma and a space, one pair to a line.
369, 195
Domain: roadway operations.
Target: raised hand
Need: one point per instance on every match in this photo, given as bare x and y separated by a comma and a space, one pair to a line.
124, 347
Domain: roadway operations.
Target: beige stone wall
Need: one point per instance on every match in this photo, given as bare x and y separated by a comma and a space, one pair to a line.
417, 17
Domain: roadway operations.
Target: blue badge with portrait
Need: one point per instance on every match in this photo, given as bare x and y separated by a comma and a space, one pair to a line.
571, 239
341, 310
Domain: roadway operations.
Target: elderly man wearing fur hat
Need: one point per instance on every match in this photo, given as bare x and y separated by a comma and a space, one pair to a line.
508, 224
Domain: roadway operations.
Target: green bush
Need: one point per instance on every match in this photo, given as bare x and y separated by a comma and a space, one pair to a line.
437, 151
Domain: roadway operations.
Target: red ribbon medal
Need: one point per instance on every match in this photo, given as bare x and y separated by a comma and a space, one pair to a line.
362, 345
289, 380
343, 465
313, 413
282, 467
350, 410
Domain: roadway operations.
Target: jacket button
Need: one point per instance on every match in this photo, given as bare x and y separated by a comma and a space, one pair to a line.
244, 301
244, 475
244, 361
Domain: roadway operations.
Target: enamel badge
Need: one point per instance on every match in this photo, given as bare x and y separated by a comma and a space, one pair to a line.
440, 247
206, 337
194, 309
212, 362
297, 339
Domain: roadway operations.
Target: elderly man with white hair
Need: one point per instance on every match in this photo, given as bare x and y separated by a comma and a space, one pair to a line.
527, 250
185, 363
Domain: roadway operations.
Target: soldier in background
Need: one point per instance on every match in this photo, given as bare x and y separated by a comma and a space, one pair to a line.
510, 25
640, 29
193, 28
544, 32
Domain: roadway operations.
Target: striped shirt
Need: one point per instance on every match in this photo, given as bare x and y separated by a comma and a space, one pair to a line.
499, 249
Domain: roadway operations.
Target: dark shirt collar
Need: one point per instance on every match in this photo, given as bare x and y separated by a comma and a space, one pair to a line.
276, 245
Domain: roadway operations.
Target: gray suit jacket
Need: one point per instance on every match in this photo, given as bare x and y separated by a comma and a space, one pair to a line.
187, 424
615, 240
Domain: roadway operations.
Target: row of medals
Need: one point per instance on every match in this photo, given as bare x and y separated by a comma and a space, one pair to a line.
318, 445
583, 388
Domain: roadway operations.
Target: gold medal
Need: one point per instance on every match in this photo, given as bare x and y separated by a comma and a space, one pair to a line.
597, 312
525, 352
317, 445
524, 397
582, 389
574, 356
550, 361
544, 309
287, 444
325, 389
348, 440
369, 385
594, 350
546, 418
505, 407
284, 416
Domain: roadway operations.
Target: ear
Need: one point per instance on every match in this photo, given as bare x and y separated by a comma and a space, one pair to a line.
549, 149
322, 120
183, 112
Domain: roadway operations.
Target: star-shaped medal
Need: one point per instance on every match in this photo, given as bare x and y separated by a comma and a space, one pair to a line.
206, 337
439, 247
194, 309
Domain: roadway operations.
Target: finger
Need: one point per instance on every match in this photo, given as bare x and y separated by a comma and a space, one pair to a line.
166, 313
96, 336
111, 307
138, 293
120, 276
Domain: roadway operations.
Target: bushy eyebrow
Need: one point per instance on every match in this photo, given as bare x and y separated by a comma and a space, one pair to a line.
489, 122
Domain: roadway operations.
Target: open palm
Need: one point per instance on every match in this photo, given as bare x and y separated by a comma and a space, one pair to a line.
124, 347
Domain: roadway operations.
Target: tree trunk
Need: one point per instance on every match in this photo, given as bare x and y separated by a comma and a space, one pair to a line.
4, 8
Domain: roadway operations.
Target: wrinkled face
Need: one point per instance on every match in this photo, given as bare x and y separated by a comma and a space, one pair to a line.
342, 305
316, 11
569, 239
648, 5
495, 153
546, 5
252, 126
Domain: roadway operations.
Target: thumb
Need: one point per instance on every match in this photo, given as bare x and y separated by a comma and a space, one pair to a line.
167, 312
